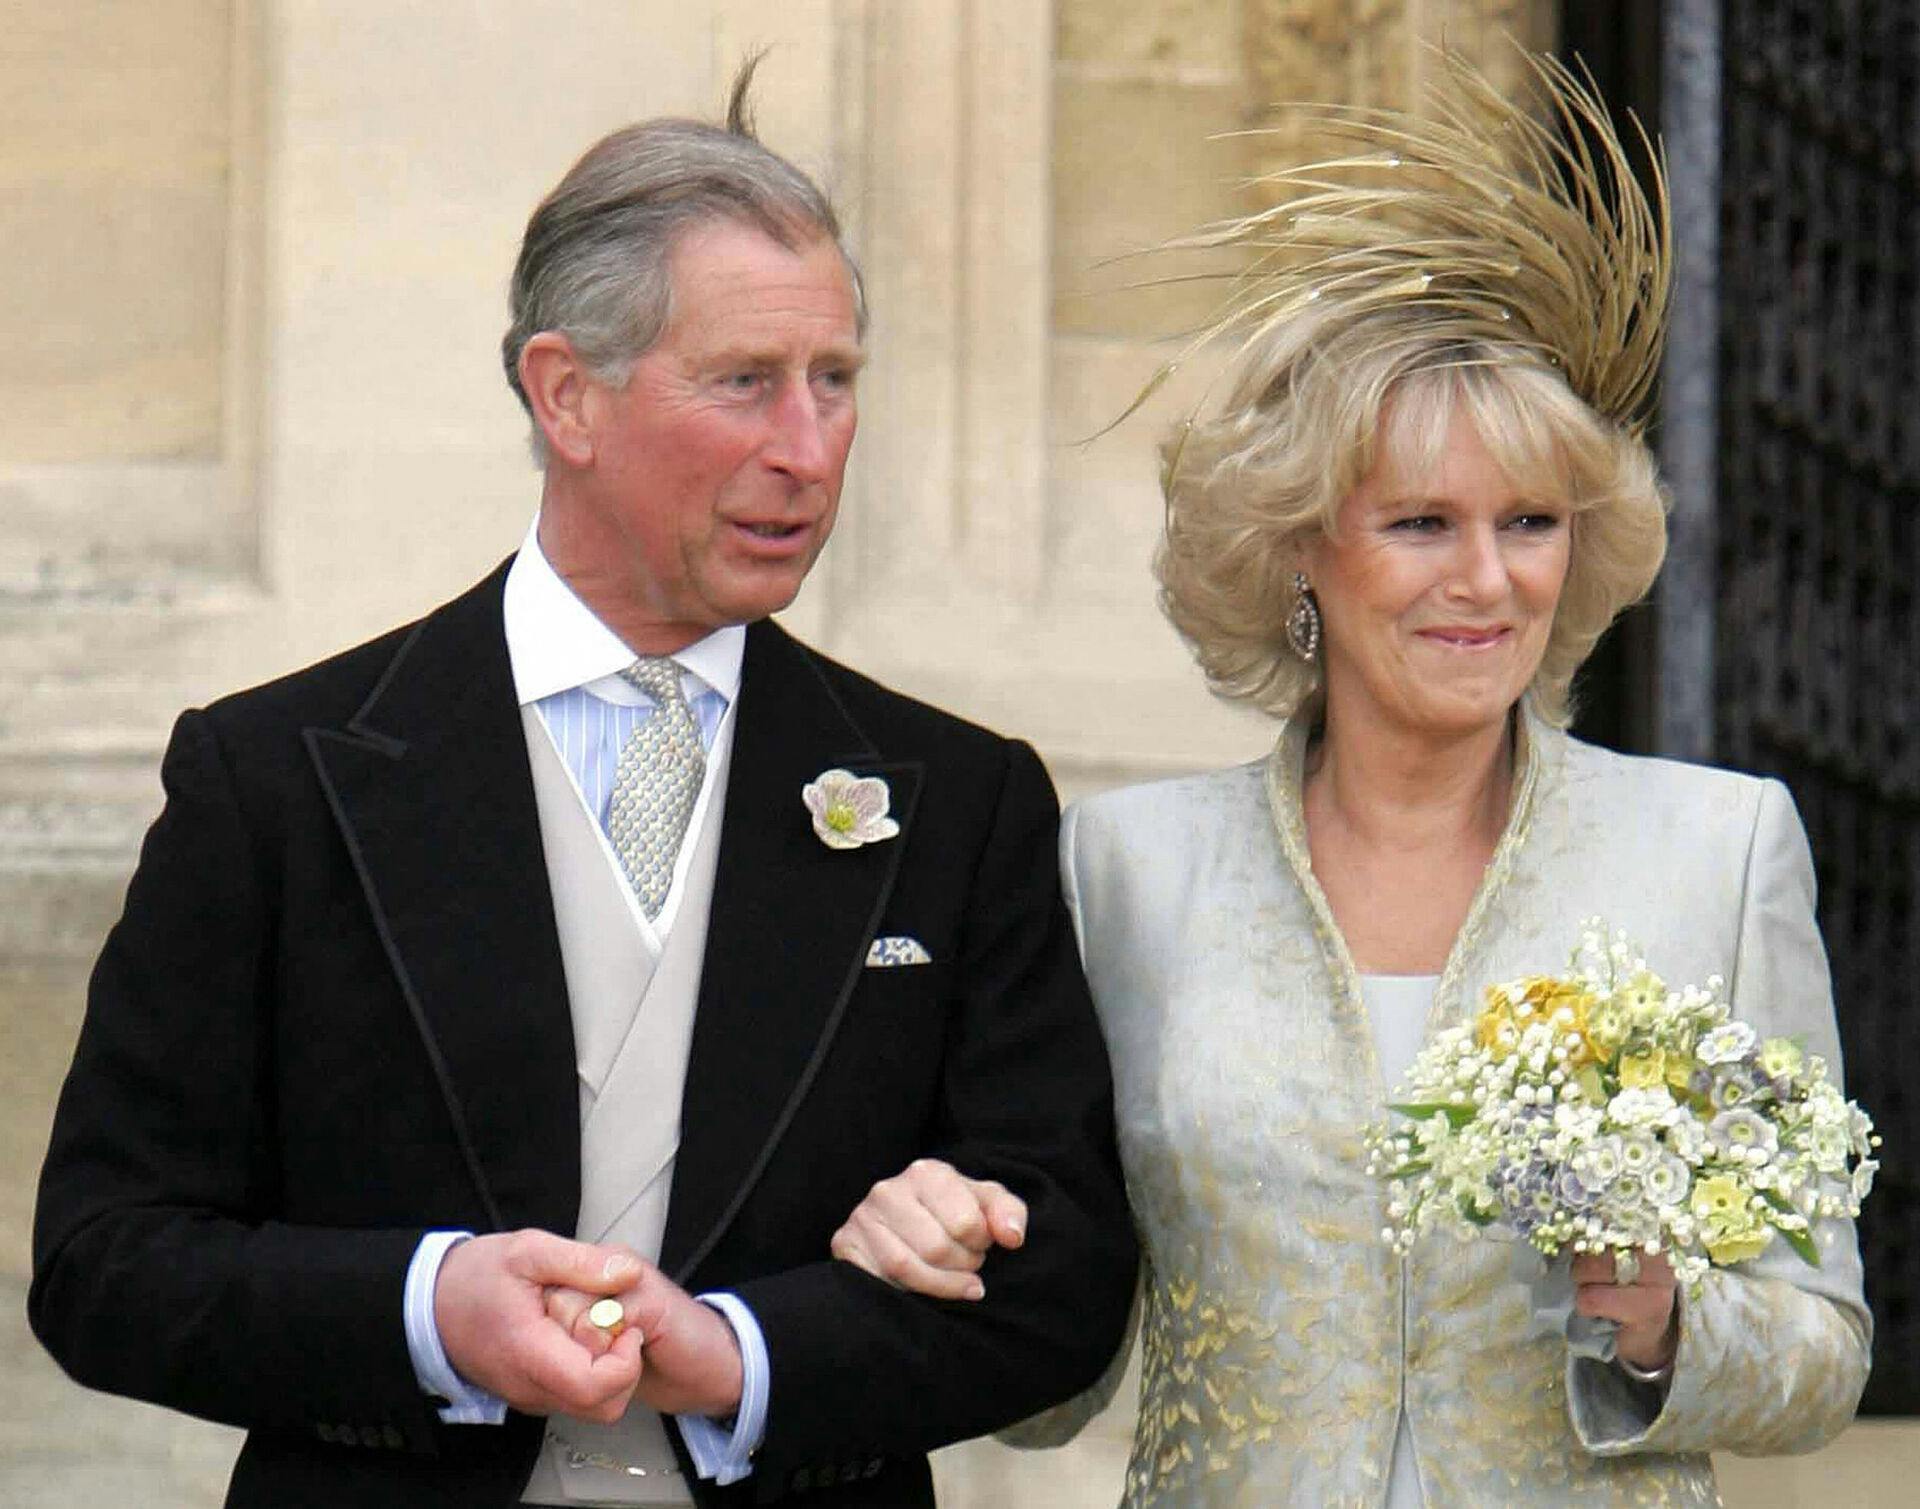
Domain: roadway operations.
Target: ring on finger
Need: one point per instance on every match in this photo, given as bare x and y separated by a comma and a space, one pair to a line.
608, 1315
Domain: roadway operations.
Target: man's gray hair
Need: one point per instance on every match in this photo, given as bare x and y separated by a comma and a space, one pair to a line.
594, 264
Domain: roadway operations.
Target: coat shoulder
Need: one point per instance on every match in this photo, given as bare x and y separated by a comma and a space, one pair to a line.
332, 690
1662, 798
1176, 822
1177, 803
896, 718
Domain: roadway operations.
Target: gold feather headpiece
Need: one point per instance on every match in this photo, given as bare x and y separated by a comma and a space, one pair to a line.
1504, 225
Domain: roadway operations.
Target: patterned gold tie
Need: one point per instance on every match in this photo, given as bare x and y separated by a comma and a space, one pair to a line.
655, 784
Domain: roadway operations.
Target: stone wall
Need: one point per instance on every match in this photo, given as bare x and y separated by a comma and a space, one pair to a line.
257, 252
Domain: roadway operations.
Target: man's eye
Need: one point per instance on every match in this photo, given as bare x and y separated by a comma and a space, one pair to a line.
741, 382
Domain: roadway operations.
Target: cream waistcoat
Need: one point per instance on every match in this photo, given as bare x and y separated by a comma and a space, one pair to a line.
632, 1026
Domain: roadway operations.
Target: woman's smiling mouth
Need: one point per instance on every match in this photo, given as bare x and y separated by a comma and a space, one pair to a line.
1467, 639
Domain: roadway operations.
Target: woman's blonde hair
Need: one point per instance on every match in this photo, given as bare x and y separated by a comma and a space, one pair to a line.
1489, 256
1317, 403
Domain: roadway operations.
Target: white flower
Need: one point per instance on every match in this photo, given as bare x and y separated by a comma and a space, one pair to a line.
1633, 1108
1666, 1183
1598, 1163
849, 810
1827, 1147
1742, 1130
1687, 1138
1725, 1045
1638, 1152
1577, 1120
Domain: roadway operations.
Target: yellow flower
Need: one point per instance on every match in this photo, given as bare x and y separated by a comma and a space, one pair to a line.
1643, 996
1737, 1247
1728, 1228
1721, 1199
1497, 1035
1781, 1058
1546, 995
1498, 998
1643, 1071
1607, 1026
1495, 1029
1565, 1005
1537, 1000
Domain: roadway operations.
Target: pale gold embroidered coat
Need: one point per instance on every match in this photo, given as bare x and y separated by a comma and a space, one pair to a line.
1274, 1348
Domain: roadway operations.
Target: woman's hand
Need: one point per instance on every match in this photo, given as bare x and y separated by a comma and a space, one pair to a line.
1645, 1310
929, 1228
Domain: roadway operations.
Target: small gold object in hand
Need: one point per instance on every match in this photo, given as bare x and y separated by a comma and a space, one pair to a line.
608, 1316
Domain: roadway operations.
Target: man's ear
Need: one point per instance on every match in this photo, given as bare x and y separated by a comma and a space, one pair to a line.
557, 386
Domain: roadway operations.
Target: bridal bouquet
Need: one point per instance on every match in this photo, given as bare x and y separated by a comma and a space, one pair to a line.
1601, 1111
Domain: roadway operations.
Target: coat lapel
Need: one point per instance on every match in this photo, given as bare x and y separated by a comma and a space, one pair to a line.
787, 938
431, 787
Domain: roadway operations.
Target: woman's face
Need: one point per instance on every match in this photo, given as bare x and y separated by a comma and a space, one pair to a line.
1438, 593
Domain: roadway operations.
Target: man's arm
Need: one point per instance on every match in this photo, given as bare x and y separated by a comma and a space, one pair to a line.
158, 1270
163, 1266
861, 1369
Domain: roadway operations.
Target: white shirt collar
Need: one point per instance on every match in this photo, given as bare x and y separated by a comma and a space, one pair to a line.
554, 641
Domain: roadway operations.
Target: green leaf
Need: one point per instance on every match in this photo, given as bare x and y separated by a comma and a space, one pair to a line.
1800, 1241
1471, 1212
1408, 1170
1457, 1116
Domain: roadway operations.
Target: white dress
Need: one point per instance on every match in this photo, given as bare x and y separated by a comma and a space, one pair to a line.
1397, 1008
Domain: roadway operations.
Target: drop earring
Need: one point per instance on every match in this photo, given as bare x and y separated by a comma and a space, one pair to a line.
1303, 620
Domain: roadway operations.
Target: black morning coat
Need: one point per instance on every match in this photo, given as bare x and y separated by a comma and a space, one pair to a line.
333, 1016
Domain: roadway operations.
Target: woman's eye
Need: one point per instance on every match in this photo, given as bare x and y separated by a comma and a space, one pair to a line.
1537, 523
1421, 523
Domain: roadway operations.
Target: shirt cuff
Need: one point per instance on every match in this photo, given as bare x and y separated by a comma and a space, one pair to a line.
465, 1404
1661, 1375
722, 1454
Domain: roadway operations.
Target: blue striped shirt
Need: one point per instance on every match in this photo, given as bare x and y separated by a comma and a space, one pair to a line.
590, 730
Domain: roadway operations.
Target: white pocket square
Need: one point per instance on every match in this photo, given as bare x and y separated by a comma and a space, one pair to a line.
886, 953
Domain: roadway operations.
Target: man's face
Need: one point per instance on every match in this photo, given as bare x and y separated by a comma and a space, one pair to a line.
716, 470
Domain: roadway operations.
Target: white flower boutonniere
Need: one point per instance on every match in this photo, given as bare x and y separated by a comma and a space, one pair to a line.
849, 810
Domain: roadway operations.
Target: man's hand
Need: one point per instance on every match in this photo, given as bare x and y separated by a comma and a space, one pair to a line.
1644, 1309
690, 1358
929, 1228
490, 1305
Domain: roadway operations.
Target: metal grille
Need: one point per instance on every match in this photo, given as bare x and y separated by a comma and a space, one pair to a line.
1817, 656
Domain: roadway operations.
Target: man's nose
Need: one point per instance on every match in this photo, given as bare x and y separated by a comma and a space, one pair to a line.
799, 445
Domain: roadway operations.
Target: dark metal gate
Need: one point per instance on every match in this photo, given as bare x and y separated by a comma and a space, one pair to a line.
1817, 643
1786, 639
